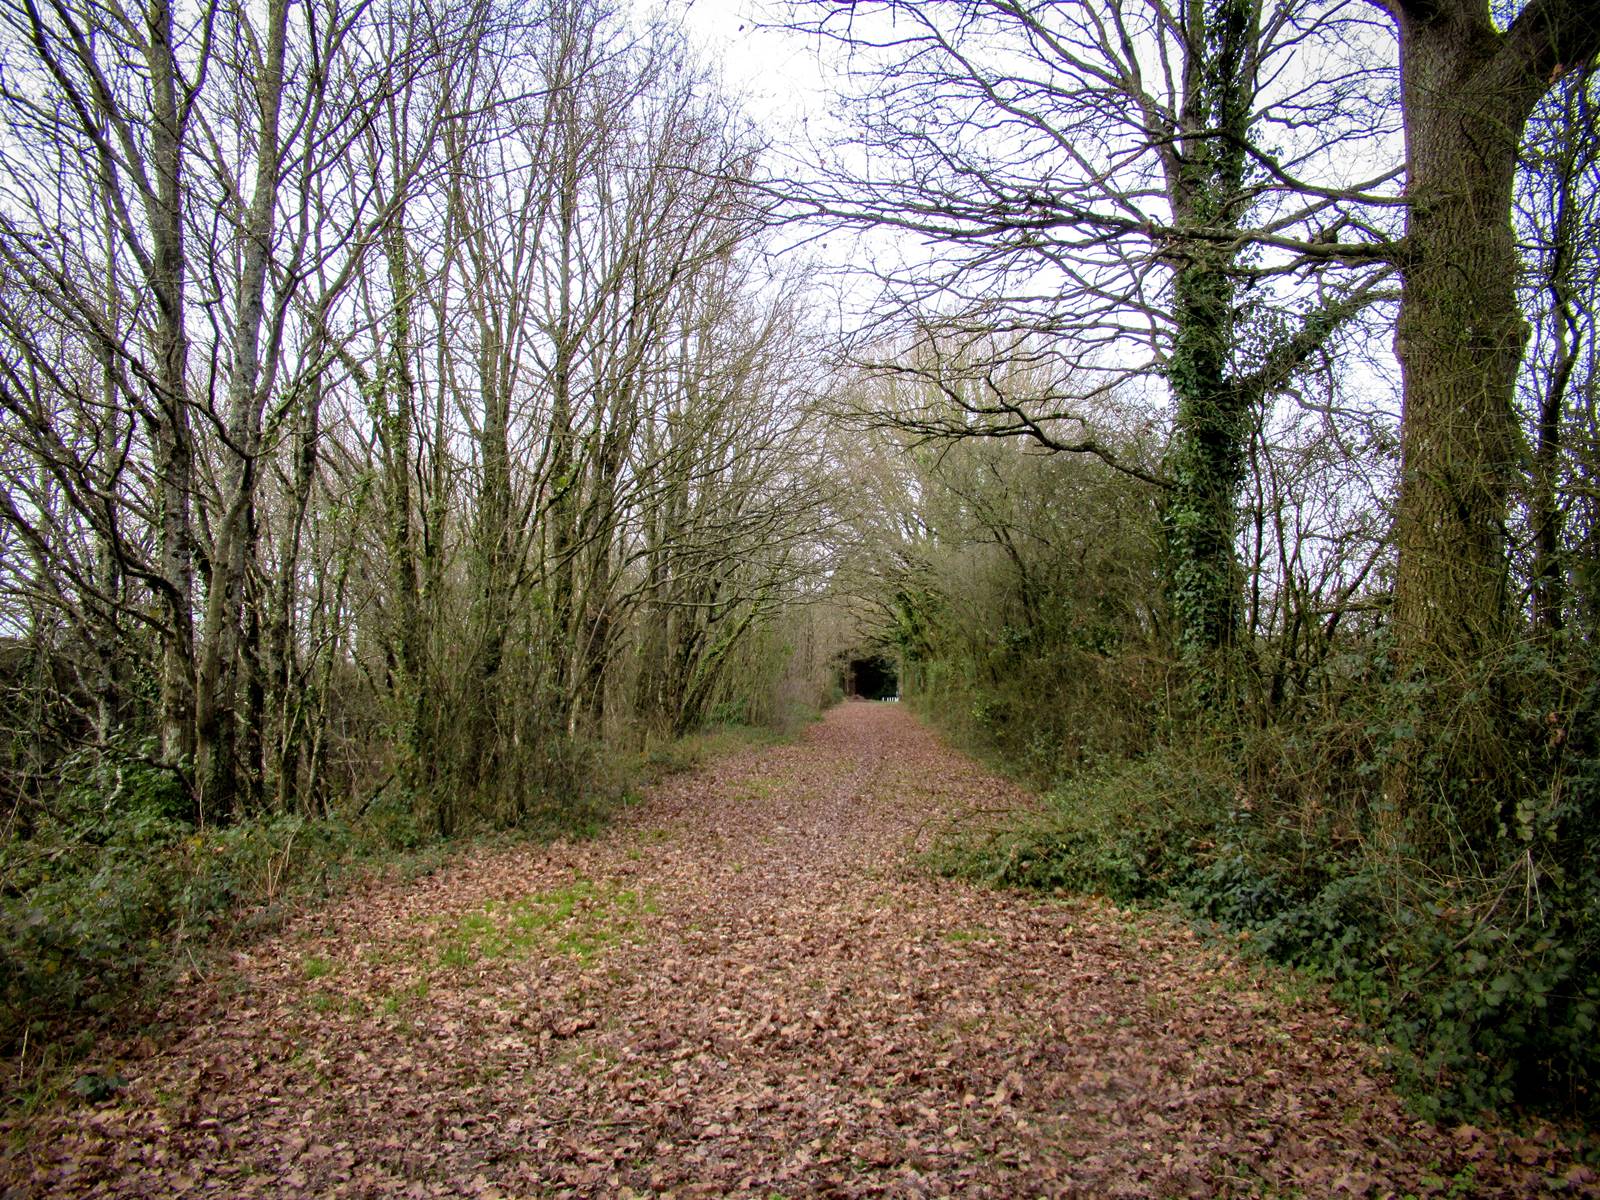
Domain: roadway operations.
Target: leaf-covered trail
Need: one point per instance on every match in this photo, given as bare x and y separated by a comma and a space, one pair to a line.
746, 989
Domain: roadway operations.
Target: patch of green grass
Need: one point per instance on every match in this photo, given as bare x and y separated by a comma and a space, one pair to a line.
325, 1000
653, 837
962, 936
394, 1001
316, 967
763, 786
685, 754
581, 920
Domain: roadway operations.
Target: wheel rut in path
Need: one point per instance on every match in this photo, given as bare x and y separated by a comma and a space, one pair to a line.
749, 988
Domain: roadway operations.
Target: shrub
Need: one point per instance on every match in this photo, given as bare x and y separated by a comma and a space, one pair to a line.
1132, 830
114, 881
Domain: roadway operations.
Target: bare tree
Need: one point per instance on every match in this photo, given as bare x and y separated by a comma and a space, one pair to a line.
208, 156
739, 514
363, 414
103, 108
1558, 189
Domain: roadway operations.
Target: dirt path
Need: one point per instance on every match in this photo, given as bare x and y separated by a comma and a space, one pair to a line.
747, 990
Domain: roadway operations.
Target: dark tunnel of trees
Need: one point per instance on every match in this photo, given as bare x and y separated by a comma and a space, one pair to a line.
873, 678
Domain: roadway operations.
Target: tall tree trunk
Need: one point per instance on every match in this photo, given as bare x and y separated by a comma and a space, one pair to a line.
109, 671
494, 557
395, 397
1206, 461
282, 652
1467, 91
174, 447
1459, 340
564, 467
229, 642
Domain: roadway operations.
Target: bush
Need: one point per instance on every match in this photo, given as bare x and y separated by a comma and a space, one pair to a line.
1486, 998
114, 882
78, 900
1132, 831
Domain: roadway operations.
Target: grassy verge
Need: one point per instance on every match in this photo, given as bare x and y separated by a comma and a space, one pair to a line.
661, 759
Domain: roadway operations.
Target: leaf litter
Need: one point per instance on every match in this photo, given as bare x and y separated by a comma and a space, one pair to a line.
749, 988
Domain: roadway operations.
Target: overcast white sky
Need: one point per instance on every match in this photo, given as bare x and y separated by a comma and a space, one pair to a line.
788, 90
779, 73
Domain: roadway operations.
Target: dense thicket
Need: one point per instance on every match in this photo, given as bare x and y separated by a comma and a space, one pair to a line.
394, 408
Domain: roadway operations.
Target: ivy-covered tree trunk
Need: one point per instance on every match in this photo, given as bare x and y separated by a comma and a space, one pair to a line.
392, 407
1206, 460
1205, 463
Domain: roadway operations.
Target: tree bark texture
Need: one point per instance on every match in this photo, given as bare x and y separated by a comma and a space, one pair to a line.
1467, 92
175, 461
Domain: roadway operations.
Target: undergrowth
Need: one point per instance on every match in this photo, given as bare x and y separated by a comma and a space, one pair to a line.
1473, 952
